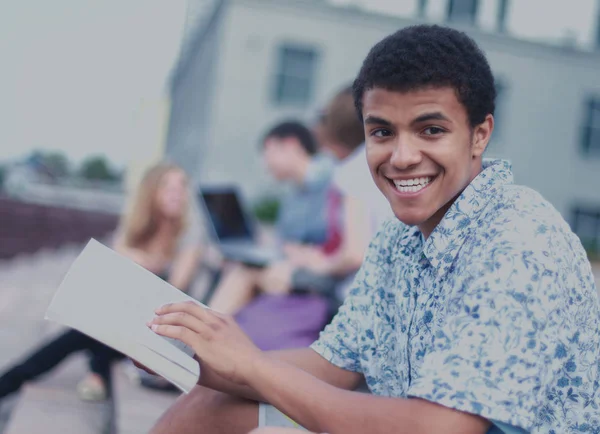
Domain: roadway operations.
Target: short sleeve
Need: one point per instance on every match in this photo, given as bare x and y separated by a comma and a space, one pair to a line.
486, 357
339, 342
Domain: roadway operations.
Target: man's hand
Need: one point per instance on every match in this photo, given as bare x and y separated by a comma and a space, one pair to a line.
216, 338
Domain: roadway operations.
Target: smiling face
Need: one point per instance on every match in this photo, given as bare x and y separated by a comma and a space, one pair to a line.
422, 151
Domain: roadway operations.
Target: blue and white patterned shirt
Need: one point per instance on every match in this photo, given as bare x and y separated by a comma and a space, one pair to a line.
495, 314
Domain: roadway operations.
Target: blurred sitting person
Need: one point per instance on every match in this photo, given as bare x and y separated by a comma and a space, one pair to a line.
286, 304
363, 206
157, 235
289, 151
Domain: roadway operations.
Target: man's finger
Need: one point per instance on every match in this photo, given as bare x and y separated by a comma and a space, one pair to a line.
189, 307
182, 334
183, 319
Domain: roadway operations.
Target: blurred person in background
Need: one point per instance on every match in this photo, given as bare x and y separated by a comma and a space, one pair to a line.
157, 234
290, 153
363, 207
287, 304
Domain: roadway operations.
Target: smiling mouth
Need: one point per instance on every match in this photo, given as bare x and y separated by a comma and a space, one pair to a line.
413, 185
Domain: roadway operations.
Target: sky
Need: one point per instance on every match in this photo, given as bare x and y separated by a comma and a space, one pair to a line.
76, 74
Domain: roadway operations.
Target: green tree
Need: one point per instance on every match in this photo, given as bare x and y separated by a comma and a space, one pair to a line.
57, 163
2, 177
266, 210
98, 169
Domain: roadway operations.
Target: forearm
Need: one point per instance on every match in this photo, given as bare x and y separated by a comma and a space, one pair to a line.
305, 359
321, 407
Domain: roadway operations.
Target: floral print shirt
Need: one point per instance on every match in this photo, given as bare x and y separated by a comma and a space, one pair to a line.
495, 314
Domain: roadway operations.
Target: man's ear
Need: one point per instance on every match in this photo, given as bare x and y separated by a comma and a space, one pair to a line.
481, 136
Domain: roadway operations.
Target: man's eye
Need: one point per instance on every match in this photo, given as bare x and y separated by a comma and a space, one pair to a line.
433, 131
381, 133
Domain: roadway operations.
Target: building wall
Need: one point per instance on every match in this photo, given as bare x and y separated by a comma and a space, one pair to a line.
539, 116
192, 101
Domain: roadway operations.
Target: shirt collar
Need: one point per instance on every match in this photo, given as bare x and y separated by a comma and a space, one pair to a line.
443, 244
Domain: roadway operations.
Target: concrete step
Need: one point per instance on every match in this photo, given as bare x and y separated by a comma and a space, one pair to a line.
137, 408
54, 411
52, 406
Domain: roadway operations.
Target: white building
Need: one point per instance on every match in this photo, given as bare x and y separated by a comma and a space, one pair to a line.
250, 63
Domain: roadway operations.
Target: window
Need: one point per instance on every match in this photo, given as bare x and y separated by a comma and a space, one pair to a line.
590, 137
463, 11
586, 224
421, 8
501, 95
502, 14
295, 75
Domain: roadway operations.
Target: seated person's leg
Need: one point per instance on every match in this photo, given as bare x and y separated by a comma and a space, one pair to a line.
43, 359
96, 385
204, 410
275, 322
235, 290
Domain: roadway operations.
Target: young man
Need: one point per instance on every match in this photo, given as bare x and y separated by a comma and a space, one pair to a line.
481, 316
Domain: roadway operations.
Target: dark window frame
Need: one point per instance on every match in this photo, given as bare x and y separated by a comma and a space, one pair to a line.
502, 93
282, 91
453, 14
591, 243
590, 130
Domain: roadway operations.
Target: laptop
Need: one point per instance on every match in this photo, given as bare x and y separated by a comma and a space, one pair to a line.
233, 228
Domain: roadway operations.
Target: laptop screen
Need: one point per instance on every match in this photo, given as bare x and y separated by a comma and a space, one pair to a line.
226, 214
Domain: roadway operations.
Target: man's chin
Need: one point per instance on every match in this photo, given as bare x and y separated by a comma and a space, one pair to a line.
410, 219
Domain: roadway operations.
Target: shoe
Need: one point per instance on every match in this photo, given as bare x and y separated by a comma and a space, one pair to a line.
91, 389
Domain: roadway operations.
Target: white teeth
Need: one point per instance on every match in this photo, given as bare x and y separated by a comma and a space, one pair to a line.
412, 185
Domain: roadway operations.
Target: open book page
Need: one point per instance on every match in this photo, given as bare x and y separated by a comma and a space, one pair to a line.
111, 298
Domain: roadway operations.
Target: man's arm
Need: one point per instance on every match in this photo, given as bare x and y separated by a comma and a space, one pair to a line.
321, 407
305, 359
315, 398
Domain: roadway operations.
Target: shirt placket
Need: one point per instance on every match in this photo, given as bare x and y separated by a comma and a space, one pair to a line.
415, 310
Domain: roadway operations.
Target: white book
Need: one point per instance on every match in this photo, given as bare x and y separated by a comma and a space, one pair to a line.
111, 299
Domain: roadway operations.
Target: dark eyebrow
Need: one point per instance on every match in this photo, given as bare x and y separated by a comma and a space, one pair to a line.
435, 116
373, 120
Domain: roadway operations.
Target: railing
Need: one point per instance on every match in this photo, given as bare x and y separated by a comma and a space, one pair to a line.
29, 227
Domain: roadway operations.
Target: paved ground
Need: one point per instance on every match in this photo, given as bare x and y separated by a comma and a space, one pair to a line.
26, 287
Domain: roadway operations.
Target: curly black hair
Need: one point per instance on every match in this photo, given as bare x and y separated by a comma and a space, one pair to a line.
421, 56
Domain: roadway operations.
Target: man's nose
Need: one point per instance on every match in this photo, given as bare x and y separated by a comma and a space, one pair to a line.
405, 155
